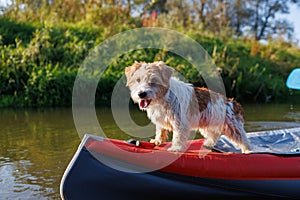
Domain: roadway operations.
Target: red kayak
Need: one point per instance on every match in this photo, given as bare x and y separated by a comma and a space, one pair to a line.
119, 169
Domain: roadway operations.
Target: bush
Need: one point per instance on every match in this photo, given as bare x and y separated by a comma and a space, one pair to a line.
39, 63
50, 86
11, 31
42, 71
248, 74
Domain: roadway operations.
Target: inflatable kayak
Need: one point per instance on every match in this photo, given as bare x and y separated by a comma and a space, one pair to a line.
104, 168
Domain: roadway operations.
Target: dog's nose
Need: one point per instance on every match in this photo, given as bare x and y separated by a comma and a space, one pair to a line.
142, 94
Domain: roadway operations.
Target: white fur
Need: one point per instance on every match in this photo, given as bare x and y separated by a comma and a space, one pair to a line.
177, 111
179, 97
173, 110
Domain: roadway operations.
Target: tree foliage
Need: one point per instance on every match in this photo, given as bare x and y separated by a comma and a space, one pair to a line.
256, 18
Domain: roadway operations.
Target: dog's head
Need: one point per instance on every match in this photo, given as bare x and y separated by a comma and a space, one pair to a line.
148, 82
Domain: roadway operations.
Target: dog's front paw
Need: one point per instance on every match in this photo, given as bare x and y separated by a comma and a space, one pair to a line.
176, 148
156, 142
209, 143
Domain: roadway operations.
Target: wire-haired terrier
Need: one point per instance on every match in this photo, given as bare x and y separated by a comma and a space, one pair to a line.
178, 107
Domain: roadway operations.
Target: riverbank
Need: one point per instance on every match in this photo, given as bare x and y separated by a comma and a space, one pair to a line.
39, 63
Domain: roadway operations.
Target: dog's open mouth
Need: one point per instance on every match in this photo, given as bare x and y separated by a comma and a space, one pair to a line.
144, 103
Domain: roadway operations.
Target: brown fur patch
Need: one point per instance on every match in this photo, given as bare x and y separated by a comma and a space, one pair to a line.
204, 96
168, 126
129, 71
164, 135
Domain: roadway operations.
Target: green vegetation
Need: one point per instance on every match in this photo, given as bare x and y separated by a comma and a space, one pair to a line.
39, 60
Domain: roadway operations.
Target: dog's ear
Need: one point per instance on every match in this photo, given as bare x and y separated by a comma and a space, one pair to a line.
166, 70
129, 71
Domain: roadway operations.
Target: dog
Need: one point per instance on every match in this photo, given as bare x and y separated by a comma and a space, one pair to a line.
175, 106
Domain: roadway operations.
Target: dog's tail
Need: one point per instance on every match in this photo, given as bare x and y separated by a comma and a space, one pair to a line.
234, 125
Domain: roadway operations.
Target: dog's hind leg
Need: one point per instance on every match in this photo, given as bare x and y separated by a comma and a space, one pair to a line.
243, 141
237, 134
211, 138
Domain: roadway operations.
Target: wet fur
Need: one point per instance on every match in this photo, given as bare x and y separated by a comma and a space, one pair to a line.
179, 107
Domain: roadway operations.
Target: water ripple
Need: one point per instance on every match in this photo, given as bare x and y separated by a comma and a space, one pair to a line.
269, 125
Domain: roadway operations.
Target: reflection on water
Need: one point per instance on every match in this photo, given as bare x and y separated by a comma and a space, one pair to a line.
293, 115
271, 116
37, 145
268, 125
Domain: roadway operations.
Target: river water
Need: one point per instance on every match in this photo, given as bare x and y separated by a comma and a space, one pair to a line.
36, 145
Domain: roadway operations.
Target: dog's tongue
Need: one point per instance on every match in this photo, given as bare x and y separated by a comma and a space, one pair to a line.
144, 103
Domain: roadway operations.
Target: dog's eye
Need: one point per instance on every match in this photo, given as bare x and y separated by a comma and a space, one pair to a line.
138, 80
152, 83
